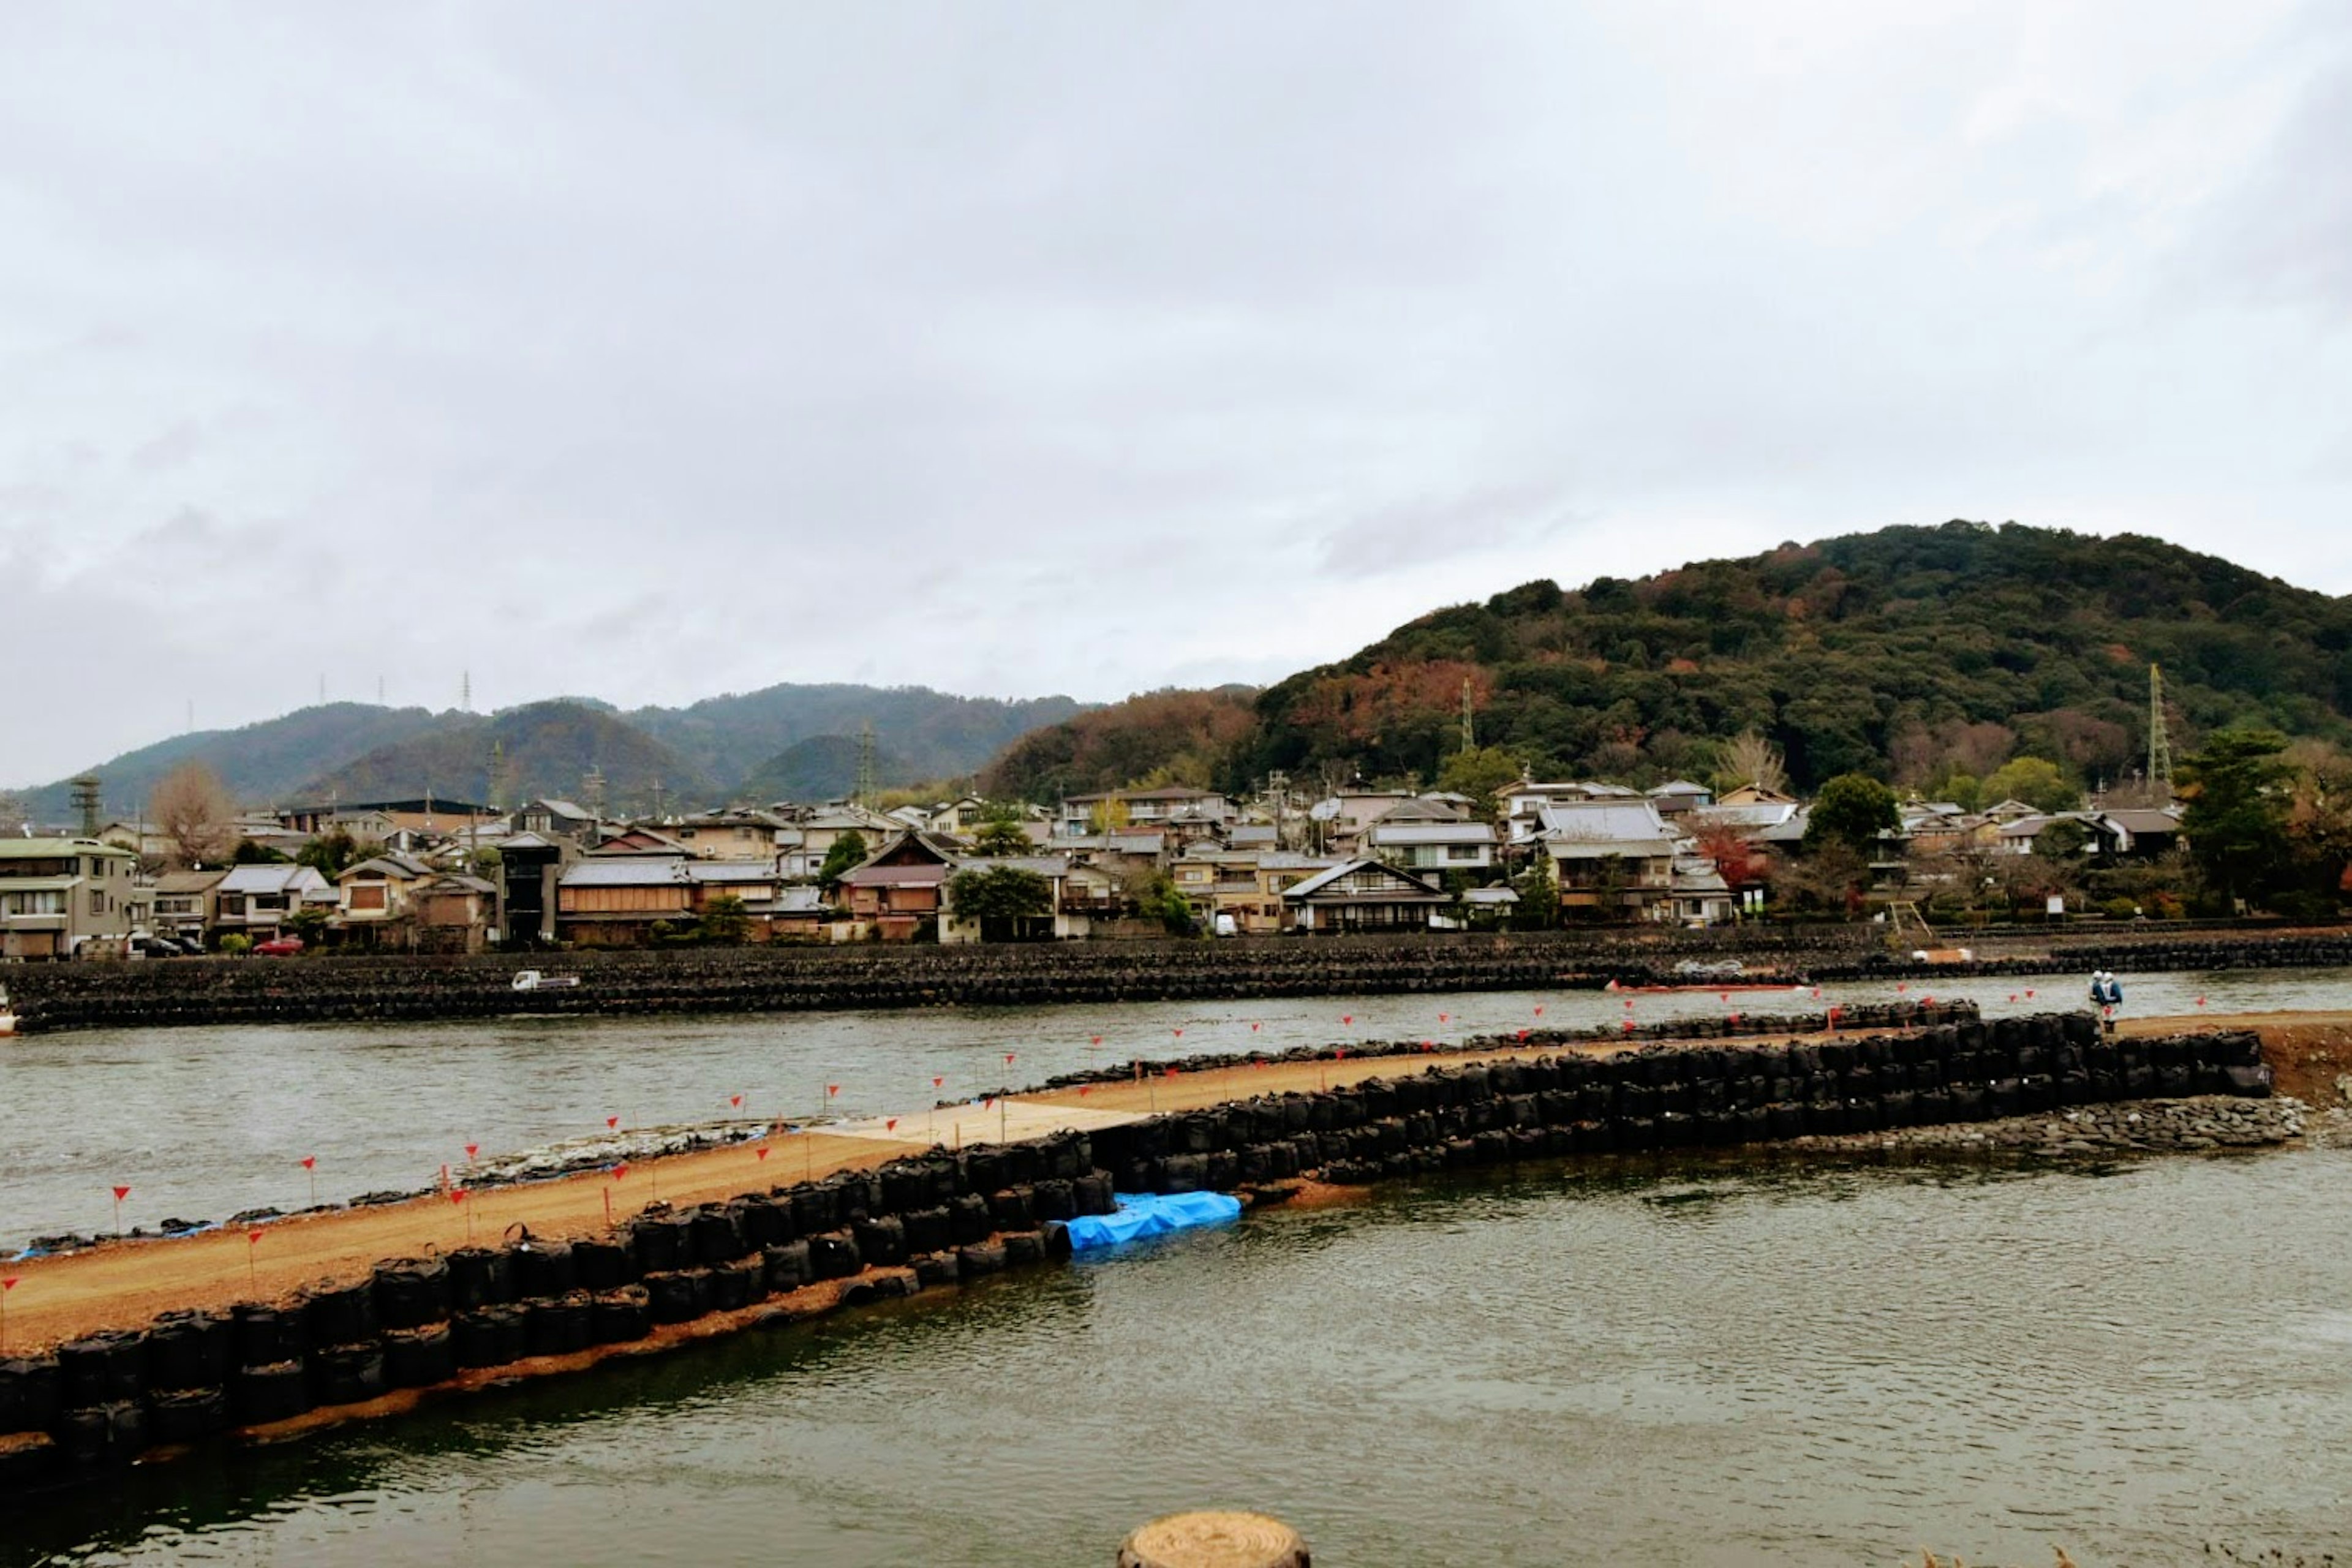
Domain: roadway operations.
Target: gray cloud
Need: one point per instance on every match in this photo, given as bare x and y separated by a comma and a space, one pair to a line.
1017, 348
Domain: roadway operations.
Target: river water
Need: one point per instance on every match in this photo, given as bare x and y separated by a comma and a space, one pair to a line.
202, 1124
1686, 1363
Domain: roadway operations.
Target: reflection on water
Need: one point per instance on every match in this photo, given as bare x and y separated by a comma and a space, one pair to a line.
201, 1123
1689, 1364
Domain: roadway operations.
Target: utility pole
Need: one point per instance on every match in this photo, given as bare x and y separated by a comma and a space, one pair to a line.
657, 798
2160, 744
1469, 725
593, 786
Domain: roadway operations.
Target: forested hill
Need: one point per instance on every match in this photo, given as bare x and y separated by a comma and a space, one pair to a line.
1910, 653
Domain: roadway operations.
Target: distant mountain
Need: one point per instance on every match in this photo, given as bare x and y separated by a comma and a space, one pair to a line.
1915, 654
932, 734
822, 767
546, 749
262, 764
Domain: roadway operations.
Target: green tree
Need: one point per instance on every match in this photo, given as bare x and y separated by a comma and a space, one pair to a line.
1157, 898
1001, 833
331, 853
1539, 895
1001, 899
310, 923
2043, 785
1479, 773
2236, 792
248, 853
726, 922
847, 851
1851, 810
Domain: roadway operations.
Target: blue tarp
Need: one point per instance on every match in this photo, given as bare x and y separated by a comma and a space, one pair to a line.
1151, 1214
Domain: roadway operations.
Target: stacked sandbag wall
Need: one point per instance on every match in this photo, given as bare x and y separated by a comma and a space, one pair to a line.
1707, 1096
937, 1219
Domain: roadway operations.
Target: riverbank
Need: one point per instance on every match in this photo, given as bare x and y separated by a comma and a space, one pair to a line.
628, 983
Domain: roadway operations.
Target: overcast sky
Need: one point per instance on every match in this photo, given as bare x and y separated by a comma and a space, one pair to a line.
656, 351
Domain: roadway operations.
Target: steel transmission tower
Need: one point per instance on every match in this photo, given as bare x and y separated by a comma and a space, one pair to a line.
866, 787
2160, 744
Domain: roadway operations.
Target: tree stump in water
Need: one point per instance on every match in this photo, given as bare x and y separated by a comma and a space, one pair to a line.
1220, 1540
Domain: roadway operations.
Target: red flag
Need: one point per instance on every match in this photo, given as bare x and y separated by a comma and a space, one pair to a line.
1425, 1044
472, 1150
734, 1099
831, 1089
1443, 1016
1008, 1059
1629, 1026
1523, 1034
1538, 1012
891, 1125
120, 1194
1084, 1090
1172, 1072
762, 1152
1180, 1033
1347, 1017
10, 1282
1341, 1055
989, 1104
937, 1081
1252, 1028
620, 1170
1099, 1039
457, 1194
612, 1121
252, 1238
309, 1162
2028, 993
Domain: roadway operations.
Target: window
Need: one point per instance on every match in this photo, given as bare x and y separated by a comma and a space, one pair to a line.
97, 901
367, 895
1462, 852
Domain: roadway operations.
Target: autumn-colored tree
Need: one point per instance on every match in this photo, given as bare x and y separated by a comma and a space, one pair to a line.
2040, 784
192, 808
1741, 863
1747, 758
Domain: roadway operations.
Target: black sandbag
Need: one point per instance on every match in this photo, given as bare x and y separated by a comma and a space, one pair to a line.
985, 1258
787, 1265
2250, 1082
542, 1269
677, 1296
187, 1415
188, 1348
967, 1220
1011, 1209
474, 1339
734, 1286
1023, 1247
935, 1269
347, 1374
658, 1243
834, 1256
716, 1237
409, 1294
558, 1326
622, 1315
419, 1357
28, 1460
881, 1240
602, 1263
927, 1230
279, 1390
102, 1369
480, 1277
114, 1433
28, 1394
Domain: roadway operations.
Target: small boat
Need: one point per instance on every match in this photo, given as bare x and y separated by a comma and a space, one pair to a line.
533, 979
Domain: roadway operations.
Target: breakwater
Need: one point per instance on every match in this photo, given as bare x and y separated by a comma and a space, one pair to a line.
939, 1218
328, 989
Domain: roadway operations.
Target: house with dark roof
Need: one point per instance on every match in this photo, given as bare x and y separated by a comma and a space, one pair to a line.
1362, 895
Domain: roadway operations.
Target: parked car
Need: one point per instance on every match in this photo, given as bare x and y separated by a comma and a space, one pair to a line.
144, 946
278, 947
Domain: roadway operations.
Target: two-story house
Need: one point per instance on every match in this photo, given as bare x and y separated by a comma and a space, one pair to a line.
256, 901
1615, 858
60, 898
1429, 836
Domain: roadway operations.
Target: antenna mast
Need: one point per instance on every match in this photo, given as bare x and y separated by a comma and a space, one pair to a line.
2160, 744
86, 800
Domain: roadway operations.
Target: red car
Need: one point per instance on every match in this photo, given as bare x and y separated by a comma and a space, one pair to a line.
278, 947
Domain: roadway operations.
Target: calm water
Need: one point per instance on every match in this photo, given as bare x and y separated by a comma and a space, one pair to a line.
1684, 1365
200, 1123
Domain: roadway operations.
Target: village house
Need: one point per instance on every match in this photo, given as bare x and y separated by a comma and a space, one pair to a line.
1086, 816
529, 865
897, 893
730, 835
375, 903
1613, 857
555, 819
66, 897
1362, 895
808, 836
1429, 836
1677, 797
1244, 885
456, 912
256, 901
615, 901
425, 814
184, 904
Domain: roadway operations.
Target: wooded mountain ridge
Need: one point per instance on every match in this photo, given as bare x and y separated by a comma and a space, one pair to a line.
1915, 654
706, 753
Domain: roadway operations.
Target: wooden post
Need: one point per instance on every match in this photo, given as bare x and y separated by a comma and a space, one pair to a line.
1220, 1540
